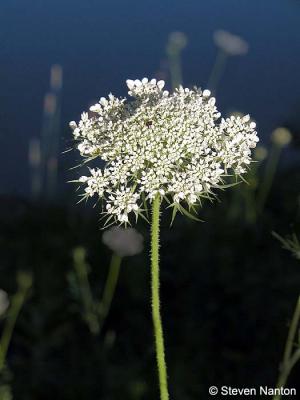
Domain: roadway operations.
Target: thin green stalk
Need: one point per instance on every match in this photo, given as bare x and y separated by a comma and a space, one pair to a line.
283, 377
81, 268
249, 193
14, 311
292, 333
175, 70
266, 184
217, 71
110, 286
158, 331
289, 360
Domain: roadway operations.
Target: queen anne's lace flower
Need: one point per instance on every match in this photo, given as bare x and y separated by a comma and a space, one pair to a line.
163, 144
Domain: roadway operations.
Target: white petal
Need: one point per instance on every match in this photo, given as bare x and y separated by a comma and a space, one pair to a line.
95, 108
103, 101
161, 84
130, 84
137, 83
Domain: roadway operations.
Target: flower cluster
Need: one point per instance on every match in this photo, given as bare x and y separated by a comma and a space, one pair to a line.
170, 145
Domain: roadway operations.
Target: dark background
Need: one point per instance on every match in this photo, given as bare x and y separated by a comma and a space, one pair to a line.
228, 289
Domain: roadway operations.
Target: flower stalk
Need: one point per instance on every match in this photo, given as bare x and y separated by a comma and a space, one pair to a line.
289, 358
158, 330
110, 286
18, 300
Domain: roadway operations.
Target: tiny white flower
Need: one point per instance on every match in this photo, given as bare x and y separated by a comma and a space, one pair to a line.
73, 125
130, 83
161, 84
95, 108
103, 101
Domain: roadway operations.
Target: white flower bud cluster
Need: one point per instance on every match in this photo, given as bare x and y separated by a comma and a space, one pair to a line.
164, 144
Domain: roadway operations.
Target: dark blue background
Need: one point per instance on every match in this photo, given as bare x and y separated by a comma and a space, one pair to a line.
102, 43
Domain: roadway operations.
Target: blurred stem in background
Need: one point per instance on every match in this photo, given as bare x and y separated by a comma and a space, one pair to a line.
122, 242
24, 284
228, 45
155, 284
50, 135
34, 159
280, 138
82, 271
260, 154
290, 358
176, 43
217, 71
251, 199
110, 287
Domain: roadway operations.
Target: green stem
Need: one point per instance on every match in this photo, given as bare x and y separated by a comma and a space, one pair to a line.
158, 331
110, 286
292, 333
14, 311
81, 268
217, 71
267, 182
283, 377
175, 70
289, 360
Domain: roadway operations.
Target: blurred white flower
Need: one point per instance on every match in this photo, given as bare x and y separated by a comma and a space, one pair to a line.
260, 153
4, 302
231, 44
281, 137
123, 242
171, 145
177, 41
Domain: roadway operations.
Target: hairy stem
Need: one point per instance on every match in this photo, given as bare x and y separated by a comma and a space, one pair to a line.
158, 331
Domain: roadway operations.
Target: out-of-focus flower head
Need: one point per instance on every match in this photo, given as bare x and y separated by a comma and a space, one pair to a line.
281, 137
79, 254
231, 44
260, 153
24, 279
177, 41
123, 242
4, 302
170, 145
